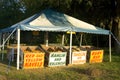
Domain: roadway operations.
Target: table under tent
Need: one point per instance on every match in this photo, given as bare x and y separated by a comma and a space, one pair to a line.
51, 21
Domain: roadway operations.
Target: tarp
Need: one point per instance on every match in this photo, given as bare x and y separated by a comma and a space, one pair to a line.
49, 20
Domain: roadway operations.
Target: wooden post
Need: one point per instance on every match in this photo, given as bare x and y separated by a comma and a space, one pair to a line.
46, 39
63, 38
81, 39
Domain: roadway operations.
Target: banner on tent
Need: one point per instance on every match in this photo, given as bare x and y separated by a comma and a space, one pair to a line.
57, 59
33, 60
96, 56
79, 57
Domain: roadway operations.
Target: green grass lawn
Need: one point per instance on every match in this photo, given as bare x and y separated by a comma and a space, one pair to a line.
97, 71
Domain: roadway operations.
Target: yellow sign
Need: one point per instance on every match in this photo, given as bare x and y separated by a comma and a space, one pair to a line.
68, 32
96, 56
33, 60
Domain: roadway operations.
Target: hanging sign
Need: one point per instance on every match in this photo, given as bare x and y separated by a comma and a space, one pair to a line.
68, 32
57, 59
33, 60
79, 57
96, 56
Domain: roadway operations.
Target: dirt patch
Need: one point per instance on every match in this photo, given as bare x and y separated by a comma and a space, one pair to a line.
2, 77
94, 72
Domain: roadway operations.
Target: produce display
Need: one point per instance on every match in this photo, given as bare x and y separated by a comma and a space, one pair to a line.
31, 49
94, 54
54, 55
40, 56
33, 57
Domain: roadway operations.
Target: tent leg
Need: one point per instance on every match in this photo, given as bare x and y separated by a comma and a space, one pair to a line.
70, 54
18, 48
109, 47
4, 41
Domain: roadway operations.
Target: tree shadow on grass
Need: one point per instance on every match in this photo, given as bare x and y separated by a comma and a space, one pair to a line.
89, 71
78, 70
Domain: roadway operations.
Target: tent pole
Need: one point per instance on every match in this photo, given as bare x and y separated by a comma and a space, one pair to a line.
4, 41
70, 48
18, 48
110, 47
63, 38
81, 39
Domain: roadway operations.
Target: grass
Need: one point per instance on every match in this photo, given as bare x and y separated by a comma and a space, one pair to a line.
97, 71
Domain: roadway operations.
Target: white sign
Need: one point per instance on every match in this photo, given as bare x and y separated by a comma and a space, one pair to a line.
79, 57
57, 59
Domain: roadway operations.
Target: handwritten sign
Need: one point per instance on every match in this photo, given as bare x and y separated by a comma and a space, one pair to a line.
57, 59
33, 60
96, 56
79, 57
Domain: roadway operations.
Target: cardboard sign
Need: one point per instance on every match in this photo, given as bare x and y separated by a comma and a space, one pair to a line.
96, 56
79, 57
33, 60
57, 59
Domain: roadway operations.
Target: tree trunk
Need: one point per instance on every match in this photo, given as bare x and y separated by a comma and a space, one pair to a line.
118, 37
116, 32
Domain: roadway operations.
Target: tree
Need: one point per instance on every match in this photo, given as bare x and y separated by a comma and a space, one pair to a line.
10, 12
108, 12
102, 13
116, 24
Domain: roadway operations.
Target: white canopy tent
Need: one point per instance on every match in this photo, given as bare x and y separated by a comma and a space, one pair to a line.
49, 20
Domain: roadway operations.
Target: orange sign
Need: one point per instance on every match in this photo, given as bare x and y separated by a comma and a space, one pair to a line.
96, 56
33, 60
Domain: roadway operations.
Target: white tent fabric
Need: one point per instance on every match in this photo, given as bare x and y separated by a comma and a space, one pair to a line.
41, 21
49, 20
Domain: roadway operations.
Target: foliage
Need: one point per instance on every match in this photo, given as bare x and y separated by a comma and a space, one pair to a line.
10, 12
98, 11
102, 13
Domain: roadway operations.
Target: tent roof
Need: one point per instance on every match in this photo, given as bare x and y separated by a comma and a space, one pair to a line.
49, 20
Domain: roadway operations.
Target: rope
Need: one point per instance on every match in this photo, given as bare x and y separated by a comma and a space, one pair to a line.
115, 39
